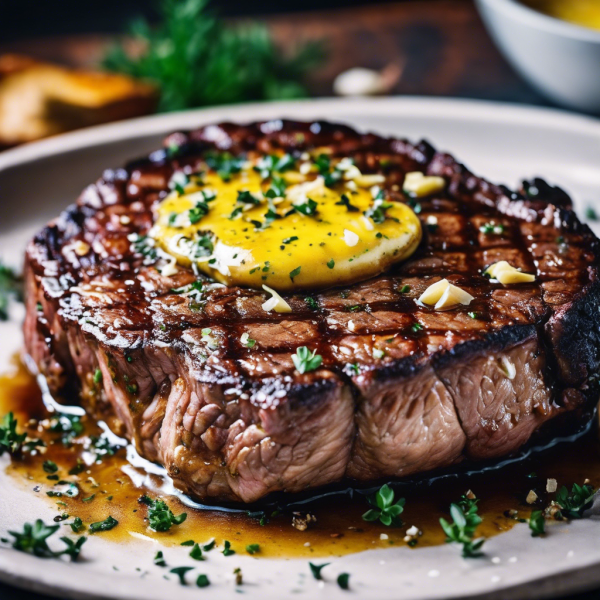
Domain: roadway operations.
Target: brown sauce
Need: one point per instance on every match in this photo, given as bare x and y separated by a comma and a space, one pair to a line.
111, 486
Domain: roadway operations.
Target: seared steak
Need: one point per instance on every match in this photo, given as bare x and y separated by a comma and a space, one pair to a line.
235, 423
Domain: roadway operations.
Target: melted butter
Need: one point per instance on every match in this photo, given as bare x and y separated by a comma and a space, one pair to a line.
580, 12
339, 529
335, 245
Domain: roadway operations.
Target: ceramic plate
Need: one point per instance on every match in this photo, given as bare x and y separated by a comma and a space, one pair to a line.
503, 143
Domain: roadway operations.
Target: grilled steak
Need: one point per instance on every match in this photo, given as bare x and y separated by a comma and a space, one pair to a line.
232, 423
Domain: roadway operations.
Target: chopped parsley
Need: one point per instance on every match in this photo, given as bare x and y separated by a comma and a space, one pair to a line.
345, 201
377, 213
202, 581
404, 289
537, 523
247, 341
70, 426
343, 581
227, 550
289, 240
224, 164
331, 263
159, 559
267, 165
492, 228
316, 570
331, 176
574, 503
10, 285
295, 272
187, 543
591, 214
34, 540
181, 572
106, 525
77, 525
416, 327
10, 440
385, 510
97, 377
196, 553
160, 516
311, 303
304, 360
50, 466
308, 208
465, 521
252, 548
209, 546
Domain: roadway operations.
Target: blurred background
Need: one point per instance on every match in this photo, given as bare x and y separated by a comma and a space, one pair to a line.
190, 53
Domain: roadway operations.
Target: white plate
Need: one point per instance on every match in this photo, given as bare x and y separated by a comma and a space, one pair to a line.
503, 143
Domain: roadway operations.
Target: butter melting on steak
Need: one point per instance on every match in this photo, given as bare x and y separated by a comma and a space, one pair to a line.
402, 389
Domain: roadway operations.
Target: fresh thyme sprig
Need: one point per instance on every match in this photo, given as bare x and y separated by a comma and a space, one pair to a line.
465, 521
34, 539
195, 59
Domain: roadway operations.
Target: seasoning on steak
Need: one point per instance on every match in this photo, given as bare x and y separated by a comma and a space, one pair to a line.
232, 423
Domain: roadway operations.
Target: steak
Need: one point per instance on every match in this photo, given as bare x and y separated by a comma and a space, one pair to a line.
231, 423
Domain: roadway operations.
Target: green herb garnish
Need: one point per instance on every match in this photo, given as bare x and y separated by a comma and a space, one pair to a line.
196, 59
77, 525
331, 263
316, 570
574, 504
295, 272
385, 510
106, 525
10, 440
10, 285
252, 548
537, 523
304, 360
462, 529
160, 516
159, 559
196, 553
308, 208
202, 581
345, 201
227, 550
181, 572
34, 539
343, 580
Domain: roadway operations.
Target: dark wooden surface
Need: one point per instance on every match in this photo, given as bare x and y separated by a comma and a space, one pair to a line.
440, 45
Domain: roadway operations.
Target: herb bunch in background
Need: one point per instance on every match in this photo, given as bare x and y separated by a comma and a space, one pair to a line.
195, 59
10, 285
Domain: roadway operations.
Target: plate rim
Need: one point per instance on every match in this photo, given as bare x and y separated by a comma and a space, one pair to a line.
445, 108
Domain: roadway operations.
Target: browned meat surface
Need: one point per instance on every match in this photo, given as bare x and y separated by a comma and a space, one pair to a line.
233, 423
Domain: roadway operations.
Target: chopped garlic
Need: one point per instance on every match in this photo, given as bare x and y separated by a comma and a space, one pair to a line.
170, 269
507, 274
305, 168
384, 536
351, 185
434, 292
431, 220
418, 184
443, 294
124, 220
350, 238
531, 497
378, 353
551, 486
508, 368
412, 531
276, 302
368, 223
350, 171
452, 297
370, 180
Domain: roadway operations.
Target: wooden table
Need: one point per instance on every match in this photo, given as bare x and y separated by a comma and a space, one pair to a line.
441, 46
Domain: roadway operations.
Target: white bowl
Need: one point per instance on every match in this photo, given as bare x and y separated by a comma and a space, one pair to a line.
562, 60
